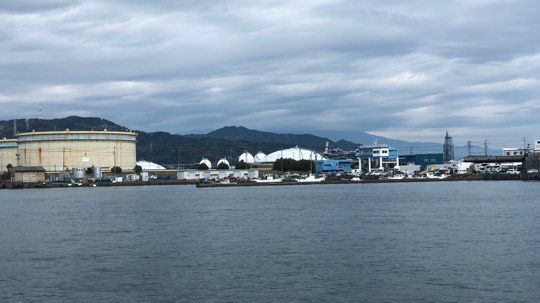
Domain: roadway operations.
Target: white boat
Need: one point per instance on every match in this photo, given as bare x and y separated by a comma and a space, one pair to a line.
397, 177
311, 179
269, 179
433, 176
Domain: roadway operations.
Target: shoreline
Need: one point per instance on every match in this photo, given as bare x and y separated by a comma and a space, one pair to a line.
521, 177
10, 185
378, 181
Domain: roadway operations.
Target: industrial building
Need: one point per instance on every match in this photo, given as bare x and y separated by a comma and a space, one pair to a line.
333, 166
60, 150
8, 153
28, 174
423, 160
378, 157
515, 151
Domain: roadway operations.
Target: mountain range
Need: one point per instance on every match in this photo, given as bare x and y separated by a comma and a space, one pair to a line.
230, 141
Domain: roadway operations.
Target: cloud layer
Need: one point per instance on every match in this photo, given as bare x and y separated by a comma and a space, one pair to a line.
407, 71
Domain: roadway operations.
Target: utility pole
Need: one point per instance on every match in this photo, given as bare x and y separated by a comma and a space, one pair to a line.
524, 143
64, 159
469, 147
282, 162
114, 159
485, 147
178, 157
411, 150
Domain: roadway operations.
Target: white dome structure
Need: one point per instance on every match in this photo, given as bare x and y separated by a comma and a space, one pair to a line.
295, 153
149, 166
246, 158
259, 157
223, 161
206, 162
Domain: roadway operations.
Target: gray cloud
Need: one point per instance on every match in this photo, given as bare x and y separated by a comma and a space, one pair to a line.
407, 71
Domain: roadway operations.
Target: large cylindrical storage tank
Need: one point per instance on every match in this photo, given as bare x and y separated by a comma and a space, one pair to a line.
8, 153
60, 151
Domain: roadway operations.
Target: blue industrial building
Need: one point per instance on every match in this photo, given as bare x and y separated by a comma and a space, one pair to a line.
423, 159
378, 157
333, 166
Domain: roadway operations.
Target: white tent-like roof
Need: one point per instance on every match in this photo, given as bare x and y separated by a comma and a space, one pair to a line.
149, 166
295, 153
259, 157
246, 158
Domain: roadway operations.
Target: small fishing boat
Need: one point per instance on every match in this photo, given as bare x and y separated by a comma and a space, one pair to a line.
269, 179
312, 179
397, 177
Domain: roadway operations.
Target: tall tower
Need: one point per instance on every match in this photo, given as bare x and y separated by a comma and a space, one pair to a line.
448, 148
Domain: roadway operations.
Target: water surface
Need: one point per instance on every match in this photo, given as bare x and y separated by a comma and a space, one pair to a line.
418, 242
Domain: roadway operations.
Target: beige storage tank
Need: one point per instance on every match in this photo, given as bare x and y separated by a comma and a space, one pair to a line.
8, 153
64, 150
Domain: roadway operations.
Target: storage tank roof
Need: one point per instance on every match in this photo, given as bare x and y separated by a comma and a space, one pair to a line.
246, 158
207, 162
259, 157
8, 142
223, 160
67, 131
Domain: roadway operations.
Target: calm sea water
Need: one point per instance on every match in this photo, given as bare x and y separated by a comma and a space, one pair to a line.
426, 242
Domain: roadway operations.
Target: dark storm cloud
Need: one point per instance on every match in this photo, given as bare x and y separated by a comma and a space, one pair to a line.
406, 70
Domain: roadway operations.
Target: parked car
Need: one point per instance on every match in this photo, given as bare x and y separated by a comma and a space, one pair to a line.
532, 171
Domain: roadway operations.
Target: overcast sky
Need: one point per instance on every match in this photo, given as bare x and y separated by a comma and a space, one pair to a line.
406, 71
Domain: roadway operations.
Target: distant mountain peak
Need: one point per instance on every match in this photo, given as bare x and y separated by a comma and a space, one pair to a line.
306, 140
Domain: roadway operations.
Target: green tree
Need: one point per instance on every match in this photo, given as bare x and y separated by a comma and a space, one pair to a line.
137, 169
242, 165
202, 166
5, 176
293, 165
223, 166
116, 170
